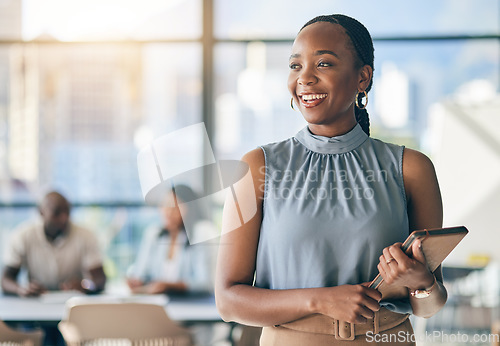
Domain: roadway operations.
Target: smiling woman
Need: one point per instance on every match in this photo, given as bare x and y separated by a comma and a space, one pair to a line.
299, 268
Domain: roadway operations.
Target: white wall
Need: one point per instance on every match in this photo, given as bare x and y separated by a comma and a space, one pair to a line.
466, 152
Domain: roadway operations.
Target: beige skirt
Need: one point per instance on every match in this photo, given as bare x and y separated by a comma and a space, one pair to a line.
305, 334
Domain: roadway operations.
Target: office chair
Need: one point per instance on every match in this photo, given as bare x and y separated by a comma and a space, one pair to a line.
12, 337
133, 324
250, 336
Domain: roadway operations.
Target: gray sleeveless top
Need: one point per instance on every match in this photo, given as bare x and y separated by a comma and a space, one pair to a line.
331, 205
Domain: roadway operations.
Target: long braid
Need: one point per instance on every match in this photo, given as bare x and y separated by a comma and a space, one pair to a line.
362, 117
362, 45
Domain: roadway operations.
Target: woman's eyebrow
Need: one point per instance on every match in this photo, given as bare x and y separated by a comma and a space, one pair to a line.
318, 52
321, 52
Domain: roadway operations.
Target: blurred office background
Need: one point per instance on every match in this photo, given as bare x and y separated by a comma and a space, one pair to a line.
84, 85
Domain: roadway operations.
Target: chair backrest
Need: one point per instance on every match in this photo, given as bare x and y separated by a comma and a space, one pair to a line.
11, 337
134, 322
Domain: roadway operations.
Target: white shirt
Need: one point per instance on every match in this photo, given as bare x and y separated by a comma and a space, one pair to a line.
69, 257
191, 264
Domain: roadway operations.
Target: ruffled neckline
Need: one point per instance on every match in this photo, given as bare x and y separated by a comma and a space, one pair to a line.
332, 145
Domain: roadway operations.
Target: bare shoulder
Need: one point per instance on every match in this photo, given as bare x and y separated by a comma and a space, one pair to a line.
418, 172
425, 209
257, 164
254, 158
417, 166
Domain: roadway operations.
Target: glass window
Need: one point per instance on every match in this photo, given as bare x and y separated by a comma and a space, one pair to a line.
261, 19
111, 19
252, 102
73, 118
410, 77
78, 114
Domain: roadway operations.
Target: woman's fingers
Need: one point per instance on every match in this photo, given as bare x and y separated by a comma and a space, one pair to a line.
418, 254
351, 303
387, 256
397, 253
384, 263
372, 306
393, 263
373, 294
368, 305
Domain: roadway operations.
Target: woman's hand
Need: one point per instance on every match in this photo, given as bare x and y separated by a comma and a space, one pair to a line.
349, 303
156, 287
399, 269
134, 283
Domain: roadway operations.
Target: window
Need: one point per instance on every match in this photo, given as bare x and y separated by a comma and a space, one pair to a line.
73, 115
282, 19
84, 85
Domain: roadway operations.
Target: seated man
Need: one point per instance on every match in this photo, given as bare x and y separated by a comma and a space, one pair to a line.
57, 254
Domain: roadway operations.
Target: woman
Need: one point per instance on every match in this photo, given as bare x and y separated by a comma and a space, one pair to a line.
166, 262
334, 206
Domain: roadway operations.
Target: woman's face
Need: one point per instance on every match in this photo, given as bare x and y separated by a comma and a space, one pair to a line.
324, 79
171, 212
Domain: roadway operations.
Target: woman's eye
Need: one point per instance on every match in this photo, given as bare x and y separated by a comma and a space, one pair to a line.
324, 64
294, 66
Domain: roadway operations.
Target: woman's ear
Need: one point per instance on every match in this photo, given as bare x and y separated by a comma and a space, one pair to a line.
365, 76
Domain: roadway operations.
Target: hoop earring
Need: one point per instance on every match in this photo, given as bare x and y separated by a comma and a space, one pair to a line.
359, 104
291, 104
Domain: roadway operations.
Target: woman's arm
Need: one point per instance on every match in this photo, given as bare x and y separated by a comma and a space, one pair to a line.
144, 263
425, 210
197, 269
157, 287
237, 300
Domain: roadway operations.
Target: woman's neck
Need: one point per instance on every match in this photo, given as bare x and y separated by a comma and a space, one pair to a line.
333, 129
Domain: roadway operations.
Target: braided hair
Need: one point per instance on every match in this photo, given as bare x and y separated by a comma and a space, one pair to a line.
362, 45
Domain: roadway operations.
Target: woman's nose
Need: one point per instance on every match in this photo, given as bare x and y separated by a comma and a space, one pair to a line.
307, 77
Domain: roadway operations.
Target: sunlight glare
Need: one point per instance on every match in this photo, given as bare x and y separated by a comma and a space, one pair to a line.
69, 20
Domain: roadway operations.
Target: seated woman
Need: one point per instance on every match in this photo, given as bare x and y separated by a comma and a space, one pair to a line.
168, 261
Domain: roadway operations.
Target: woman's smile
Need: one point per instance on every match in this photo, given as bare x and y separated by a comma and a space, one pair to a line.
312, 100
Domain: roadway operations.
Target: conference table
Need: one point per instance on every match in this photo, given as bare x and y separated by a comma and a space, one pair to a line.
53, 307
